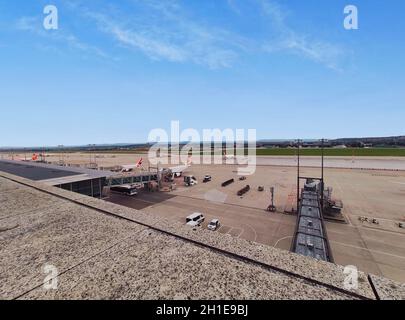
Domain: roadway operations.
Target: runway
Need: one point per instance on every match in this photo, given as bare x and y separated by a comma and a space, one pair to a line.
375, 163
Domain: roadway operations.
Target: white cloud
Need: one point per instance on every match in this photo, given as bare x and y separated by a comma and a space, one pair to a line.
34, 25
166, 30
275, 11
297, 43
154, 48
172, 36
234, 7
28, 24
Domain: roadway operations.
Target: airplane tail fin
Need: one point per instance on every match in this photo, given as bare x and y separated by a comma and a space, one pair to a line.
139, 163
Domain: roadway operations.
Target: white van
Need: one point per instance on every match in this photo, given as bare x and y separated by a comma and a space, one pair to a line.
195, 219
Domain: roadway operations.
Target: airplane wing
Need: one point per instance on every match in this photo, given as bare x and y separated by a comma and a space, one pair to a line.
178, 169
127, 167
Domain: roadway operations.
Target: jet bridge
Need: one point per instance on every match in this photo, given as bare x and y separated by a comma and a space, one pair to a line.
141, 178
310, 237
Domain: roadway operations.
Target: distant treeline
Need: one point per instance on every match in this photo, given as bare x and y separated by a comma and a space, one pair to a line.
381, 142
384, 142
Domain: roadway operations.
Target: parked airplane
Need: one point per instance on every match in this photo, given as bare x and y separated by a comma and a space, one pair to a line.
178, 171
131, 167
34, 157
236, 159
227, 157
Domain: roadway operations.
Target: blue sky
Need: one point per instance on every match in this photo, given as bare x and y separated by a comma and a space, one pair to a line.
114, 70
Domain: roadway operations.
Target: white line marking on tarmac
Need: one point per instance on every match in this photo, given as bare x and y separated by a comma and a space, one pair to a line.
241, 231
254, 230
367, 228
397, 182
236, 236
275, 245
370, 250
146, 201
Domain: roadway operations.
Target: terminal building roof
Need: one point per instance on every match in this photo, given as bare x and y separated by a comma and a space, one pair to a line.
50, 174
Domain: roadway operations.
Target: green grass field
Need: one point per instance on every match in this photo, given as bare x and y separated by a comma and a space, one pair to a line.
349, 152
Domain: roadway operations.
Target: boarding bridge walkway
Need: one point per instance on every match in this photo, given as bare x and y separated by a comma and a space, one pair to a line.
122, 179
310, 237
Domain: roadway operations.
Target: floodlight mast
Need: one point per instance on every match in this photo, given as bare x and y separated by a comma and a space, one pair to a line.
298, 174
322, 172
322, 178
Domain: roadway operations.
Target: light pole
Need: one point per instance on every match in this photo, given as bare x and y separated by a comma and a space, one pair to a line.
60, 154
298, 173
322, 186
